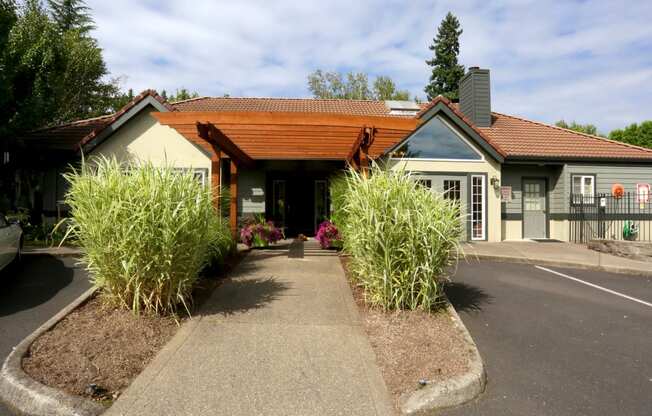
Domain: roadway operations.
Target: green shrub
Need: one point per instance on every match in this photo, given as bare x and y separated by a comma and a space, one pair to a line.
401, 237
145, 232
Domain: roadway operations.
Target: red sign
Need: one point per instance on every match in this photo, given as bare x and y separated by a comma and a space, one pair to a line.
643, 192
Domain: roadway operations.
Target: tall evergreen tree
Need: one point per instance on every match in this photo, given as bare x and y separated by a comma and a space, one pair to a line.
446, 71
71, 15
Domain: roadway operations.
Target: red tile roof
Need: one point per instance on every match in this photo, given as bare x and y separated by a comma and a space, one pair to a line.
521, 138
513, 137
65, 136
301, 105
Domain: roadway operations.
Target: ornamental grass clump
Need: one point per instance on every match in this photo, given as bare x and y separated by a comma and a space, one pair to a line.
401, 237
145, 232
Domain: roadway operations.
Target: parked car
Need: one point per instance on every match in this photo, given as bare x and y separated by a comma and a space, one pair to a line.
11, 241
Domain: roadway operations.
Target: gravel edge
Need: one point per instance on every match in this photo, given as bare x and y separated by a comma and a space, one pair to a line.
454, 391
26, 396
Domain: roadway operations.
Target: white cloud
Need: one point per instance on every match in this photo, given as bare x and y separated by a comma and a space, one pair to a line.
577, 60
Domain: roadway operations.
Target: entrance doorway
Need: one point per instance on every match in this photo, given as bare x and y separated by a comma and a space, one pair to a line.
298, 204
535, 210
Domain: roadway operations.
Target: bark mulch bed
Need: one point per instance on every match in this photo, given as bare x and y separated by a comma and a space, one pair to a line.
412, 346
97, 350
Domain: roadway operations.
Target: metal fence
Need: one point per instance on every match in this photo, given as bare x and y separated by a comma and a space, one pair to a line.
606, 216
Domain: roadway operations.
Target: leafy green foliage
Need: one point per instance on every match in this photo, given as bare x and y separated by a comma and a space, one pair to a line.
71, 15
385, 89
180, 95
446, 71
401, 237
636, 134
581, 128
145, 232
353, 86
50, 75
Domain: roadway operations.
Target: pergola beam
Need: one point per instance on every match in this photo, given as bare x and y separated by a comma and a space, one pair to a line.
358, 156
213, 135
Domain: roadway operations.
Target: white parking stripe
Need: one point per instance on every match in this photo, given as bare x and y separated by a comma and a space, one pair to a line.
604, 289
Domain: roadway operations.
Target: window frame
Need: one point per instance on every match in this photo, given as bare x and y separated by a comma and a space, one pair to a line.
456, 190
483, 210
482, 158
583, 199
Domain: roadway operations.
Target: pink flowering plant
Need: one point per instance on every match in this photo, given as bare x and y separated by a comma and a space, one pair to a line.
260, 233
328, 235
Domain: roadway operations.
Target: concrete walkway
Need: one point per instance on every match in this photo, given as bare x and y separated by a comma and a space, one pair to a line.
555, 253
283, 337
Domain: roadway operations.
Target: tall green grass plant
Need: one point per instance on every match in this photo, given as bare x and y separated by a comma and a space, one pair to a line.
145, 232
401, 237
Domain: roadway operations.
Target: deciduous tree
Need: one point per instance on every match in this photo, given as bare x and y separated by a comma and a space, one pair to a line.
581, 128
353, 86
636, 134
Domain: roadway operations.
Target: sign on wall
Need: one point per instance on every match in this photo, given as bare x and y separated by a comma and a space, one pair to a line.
643, 193
506, 193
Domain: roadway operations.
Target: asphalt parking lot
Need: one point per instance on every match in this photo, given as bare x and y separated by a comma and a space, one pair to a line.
40, 288
557, 341
554, 341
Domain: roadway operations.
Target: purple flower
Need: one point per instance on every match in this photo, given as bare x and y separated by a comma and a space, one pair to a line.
327, 234
261, 233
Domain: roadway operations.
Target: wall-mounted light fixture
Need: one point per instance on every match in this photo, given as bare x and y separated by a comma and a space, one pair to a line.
495, 182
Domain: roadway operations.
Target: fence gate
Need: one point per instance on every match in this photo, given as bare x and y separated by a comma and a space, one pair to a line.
607, 216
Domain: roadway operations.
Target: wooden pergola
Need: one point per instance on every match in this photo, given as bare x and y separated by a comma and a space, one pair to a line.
244, 137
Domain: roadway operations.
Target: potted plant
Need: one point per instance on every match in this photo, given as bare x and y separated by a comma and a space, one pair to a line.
260, 233
328, 235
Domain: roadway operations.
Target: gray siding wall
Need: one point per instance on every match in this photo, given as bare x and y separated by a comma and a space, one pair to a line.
559, 181
606, 175
251, 192
512, 175
475, 96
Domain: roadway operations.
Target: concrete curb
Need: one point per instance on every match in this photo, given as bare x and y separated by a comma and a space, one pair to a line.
566, 264
26, 396
454, 391
51, 251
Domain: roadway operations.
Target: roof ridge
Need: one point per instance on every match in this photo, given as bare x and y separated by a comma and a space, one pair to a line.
575, 132
190, 99
284, 98
445, 101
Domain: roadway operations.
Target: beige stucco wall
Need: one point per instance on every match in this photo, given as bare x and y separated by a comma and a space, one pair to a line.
488, 166
143, 139
559, 230
512, 229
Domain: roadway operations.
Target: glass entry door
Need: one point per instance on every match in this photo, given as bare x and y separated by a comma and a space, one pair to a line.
321, 202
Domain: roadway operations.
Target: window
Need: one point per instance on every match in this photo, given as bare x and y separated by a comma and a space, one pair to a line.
199, 174
583, 189
477, 207
436, 140
278, 202
426, 183
452, 190
532, 197
5, 158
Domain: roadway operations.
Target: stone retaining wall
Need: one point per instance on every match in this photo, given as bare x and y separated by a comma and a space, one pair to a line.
635, 250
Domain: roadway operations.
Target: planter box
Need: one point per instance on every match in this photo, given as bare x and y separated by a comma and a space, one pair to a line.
635, 250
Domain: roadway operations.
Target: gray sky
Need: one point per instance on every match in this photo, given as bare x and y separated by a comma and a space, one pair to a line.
589, 61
